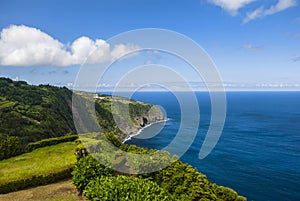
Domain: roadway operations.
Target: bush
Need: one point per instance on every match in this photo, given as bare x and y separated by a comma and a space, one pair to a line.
185, 183
80, 151
124, 188
87, 169
50, 141
180, 181
9, 146
38, 180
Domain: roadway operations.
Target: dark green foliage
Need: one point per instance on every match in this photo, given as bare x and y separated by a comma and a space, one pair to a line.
50, 141
179, 181
227, 194
124, 188
113, 139
137, 109
106, 119
38, 112
38, 180
87, 169
186, 183
34, 112
9, 146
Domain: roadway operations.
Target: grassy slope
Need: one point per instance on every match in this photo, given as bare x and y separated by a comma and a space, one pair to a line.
60, 191
37, 162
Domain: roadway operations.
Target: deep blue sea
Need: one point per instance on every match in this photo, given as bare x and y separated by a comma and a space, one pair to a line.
258, 153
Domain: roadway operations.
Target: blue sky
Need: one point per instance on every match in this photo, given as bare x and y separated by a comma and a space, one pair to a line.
254, 44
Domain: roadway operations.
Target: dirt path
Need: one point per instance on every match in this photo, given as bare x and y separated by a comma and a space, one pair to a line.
61, 191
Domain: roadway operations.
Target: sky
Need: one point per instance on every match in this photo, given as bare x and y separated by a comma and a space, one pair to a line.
255, 45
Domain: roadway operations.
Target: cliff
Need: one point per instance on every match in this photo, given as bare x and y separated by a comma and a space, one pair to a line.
123, 117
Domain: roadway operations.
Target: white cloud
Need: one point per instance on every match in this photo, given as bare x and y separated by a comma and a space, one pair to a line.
231, 6
28, 46
261, 11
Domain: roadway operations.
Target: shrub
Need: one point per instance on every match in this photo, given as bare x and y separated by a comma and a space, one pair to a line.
124, 188
86, 169
185, 183
9, 146
80, 151
50, 141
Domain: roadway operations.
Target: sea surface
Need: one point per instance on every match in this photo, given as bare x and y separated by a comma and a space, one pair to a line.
258, 153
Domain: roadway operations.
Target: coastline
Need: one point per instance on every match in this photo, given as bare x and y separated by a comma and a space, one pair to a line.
141, 129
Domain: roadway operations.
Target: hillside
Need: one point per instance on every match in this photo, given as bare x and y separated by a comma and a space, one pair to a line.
37, 112
34, 112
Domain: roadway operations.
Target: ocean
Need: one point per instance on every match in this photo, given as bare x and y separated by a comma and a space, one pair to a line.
258, 153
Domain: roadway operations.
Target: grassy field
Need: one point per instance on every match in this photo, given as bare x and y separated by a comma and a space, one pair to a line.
38, 162
60, 191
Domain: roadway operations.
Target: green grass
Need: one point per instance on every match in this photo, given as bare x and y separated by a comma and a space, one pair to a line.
38, 162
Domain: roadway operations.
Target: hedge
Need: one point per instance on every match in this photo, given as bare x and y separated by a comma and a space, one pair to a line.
50, 141
125, 188
36, 180
87, 169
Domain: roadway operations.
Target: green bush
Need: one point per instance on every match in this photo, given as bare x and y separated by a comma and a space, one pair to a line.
87, 169
50, 141
38, 180
181, 181
9, 146
124, 188
185, 183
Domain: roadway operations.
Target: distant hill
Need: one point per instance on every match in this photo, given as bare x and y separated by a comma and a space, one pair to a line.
37, 112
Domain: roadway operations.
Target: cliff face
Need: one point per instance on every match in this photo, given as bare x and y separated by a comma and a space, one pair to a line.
152, 116
125, 116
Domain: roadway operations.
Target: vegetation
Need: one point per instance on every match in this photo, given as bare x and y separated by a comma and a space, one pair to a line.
34, 112
50, 141
9, 146
41, 166
186, 183
139, 115
125, 188
178, 181
86, 170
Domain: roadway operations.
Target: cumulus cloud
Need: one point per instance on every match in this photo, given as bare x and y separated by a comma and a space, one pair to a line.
231, 6
261, 11
28, 46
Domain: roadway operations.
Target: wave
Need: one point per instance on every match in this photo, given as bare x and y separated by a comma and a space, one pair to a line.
141, 129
